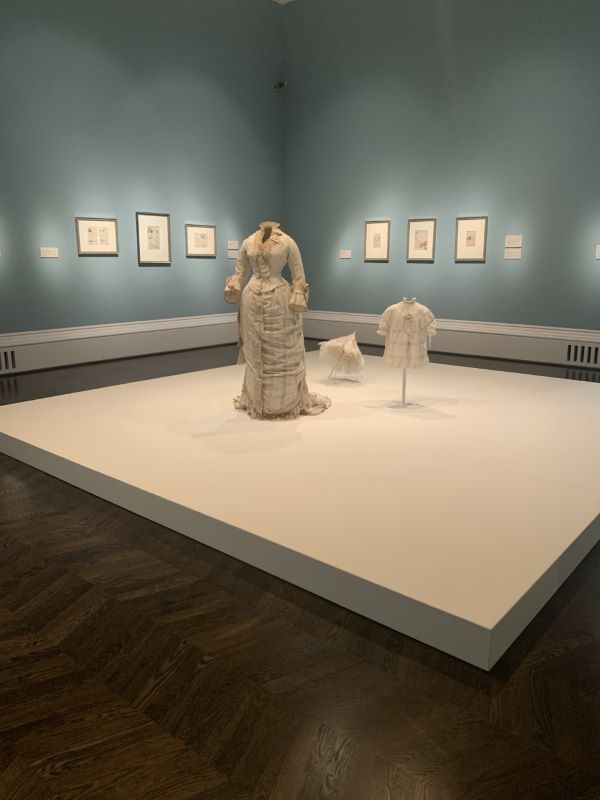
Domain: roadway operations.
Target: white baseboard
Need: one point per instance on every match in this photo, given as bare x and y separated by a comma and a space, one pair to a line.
24, 352
543, 344
35, 350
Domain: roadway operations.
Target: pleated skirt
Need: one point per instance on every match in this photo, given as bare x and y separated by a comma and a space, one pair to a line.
273, 347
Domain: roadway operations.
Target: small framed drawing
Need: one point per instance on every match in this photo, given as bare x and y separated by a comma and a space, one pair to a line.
421, 240
200, 241
154, 239
471, 239
97, 236
377, 240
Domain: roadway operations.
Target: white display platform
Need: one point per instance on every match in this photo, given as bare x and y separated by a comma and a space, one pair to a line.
452, 520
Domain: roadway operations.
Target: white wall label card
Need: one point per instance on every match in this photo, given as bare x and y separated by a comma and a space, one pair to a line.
233, 245
598, 252
233, 254
345, 254
49, 252
513, 240
513, 253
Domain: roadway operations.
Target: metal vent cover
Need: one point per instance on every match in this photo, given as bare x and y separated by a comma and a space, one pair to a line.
586, 354
9, 389
583, 375
8, 361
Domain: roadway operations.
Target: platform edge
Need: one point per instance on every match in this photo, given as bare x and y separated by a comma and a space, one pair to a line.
434, 627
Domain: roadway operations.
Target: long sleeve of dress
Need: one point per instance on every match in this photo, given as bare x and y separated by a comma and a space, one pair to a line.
235, 282
384, 323
299, 299
432, 328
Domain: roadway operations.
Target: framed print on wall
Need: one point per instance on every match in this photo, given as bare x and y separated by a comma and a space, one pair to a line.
200, 241
97, 236
471, 239
154, 239
377, 240
421, 240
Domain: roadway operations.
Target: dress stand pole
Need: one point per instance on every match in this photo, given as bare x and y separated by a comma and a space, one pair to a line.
404, 386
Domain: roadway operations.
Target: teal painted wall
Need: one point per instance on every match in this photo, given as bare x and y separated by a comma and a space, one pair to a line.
394, 109
446, 108
123, 106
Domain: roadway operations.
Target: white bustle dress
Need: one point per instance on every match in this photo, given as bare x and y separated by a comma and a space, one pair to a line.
272, 339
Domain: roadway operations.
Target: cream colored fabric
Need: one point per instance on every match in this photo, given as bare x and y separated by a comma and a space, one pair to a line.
271, 327
408, 327
343, 354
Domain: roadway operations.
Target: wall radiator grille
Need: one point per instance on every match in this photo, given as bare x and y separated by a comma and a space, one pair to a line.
9, 389
583, 354
583, 375
8, 361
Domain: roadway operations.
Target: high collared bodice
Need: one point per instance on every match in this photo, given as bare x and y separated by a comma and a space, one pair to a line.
267, 259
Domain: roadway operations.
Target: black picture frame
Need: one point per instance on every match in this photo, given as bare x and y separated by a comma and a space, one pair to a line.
380, 259
413, 259
189, 254
81, 251
470, 259
145, 262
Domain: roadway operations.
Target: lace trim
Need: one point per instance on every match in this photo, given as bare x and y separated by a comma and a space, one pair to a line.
311, 405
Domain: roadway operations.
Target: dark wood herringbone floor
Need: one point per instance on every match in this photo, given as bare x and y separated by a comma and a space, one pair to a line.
135, 663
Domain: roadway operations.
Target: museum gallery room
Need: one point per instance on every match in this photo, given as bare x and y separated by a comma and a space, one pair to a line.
299, 400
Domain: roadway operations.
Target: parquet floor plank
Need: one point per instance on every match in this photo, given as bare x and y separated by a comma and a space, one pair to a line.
19, 780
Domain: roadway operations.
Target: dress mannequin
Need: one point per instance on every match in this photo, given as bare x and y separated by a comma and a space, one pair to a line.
408, 327
271, 333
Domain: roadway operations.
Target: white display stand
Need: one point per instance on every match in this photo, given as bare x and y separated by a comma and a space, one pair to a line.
459, 515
